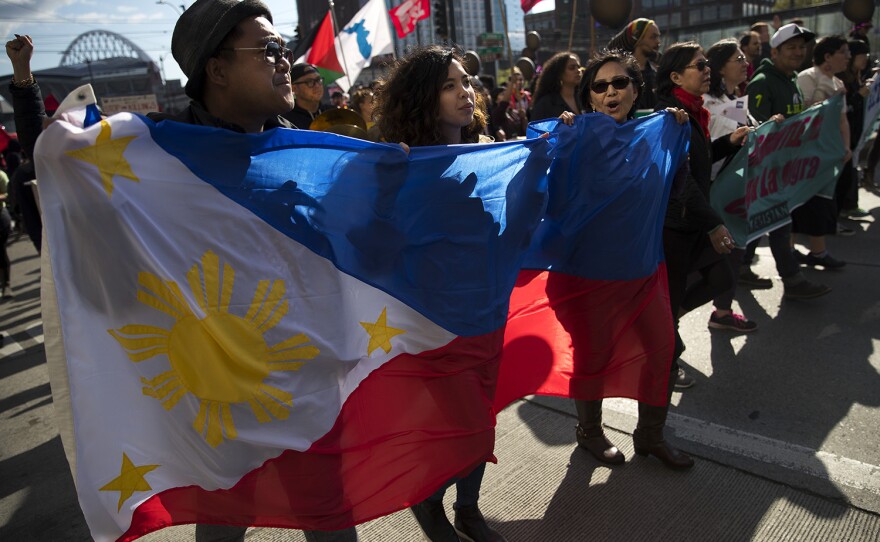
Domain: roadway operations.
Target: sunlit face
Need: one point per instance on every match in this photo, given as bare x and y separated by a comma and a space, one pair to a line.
692, 79
572, 74
261, 88
516, 79
309, 87
839, 60
614, 102
456, 99
790, 55
735, 69
649, 45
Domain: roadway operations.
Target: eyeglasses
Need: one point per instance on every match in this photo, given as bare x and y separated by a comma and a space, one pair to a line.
311, 83
740, 59
274, 52
700, 65
620, 83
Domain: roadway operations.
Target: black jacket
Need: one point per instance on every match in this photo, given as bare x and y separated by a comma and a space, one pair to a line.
196, 114
690, 210
549, 106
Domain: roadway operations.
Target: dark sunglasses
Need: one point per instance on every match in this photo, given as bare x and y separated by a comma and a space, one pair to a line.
620, 83
274, 52
311, 83
700, 65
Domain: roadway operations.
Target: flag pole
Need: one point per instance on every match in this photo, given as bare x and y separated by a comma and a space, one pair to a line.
506, 33
335, 35
573, 17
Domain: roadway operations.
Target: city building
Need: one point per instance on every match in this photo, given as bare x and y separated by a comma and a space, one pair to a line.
117, 69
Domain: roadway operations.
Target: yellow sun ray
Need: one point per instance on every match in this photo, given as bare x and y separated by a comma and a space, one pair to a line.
158, 379
259, 294
259, 412
140, 348
211, 272
286, 365
269, 403
278, 394
280, 312
226, 293
195, 286
164, 296
273, 299
296, 340
228, 426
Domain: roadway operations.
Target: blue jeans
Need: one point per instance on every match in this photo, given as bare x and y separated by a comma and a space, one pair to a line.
467, 489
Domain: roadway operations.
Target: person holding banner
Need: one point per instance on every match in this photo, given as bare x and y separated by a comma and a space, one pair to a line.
443, 110
774, 91
818, 217
728, 70
695, 238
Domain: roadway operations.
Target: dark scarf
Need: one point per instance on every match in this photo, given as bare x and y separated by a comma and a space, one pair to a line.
694, 106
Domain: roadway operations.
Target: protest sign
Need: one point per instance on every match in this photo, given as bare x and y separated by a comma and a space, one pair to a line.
781, 167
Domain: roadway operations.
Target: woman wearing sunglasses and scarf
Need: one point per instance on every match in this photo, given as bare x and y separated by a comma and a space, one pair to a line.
611, 85
694, 236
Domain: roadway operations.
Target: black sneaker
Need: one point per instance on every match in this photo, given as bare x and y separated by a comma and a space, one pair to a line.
471, 526
683, 381
805, 290
732, 322
432, 519
826, 261
843, 231
748, 278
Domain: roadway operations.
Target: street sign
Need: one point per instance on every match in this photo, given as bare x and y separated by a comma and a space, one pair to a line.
489, 54
490, 39
145, 103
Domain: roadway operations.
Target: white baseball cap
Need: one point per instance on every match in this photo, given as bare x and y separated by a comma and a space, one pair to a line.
788, 32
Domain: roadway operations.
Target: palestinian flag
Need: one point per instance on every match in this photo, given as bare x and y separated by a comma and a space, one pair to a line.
318, 48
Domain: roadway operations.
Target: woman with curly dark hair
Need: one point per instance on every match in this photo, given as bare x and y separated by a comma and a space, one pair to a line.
423, 101
557, 87
428, 99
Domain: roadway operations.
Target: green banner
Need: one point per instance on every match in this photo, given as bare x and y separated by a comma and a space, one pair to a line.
781, 167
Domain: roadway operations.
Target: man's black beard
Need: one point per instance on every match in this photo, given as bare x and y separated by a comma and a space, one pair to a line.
653, 56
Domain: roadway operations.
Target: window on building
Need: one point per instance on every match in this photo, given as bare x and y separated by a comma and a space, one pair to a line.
726, 12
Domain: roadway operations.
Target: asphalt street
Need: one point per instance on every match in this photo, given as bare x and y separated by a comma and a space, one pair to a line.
782, 422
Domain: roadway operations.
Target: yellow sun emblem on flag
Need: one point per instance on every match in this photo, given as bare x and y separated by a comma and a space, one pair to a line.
221, 359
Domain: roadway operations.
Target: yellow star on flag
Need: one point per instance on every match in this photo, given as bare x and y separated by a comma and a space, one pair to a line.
381, 333
106, 153
130, 479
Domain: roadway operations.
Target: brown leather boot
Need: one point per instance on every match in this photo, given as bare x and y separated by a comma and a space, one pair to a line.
648, 436
590, 435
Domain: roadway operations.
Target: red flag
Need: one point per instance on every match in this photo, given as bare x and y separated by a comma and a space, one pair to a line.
527, 5
4, 139
323, 51
406, 15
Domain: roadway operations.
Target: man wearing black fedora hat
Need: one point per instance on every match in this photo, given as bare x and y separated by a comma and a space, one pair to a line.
238, 72
236, 64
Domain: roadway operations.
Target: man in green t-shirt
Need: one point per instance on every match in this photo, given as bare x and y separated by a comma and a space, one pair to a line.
773, 90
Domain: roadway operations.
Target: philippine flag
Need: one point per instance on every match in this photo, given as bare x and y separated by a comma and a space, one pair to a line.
291, 329
589, 317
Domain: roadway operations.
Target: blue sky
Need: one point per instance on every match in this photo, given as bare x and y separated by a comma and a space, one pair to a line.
54, 24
